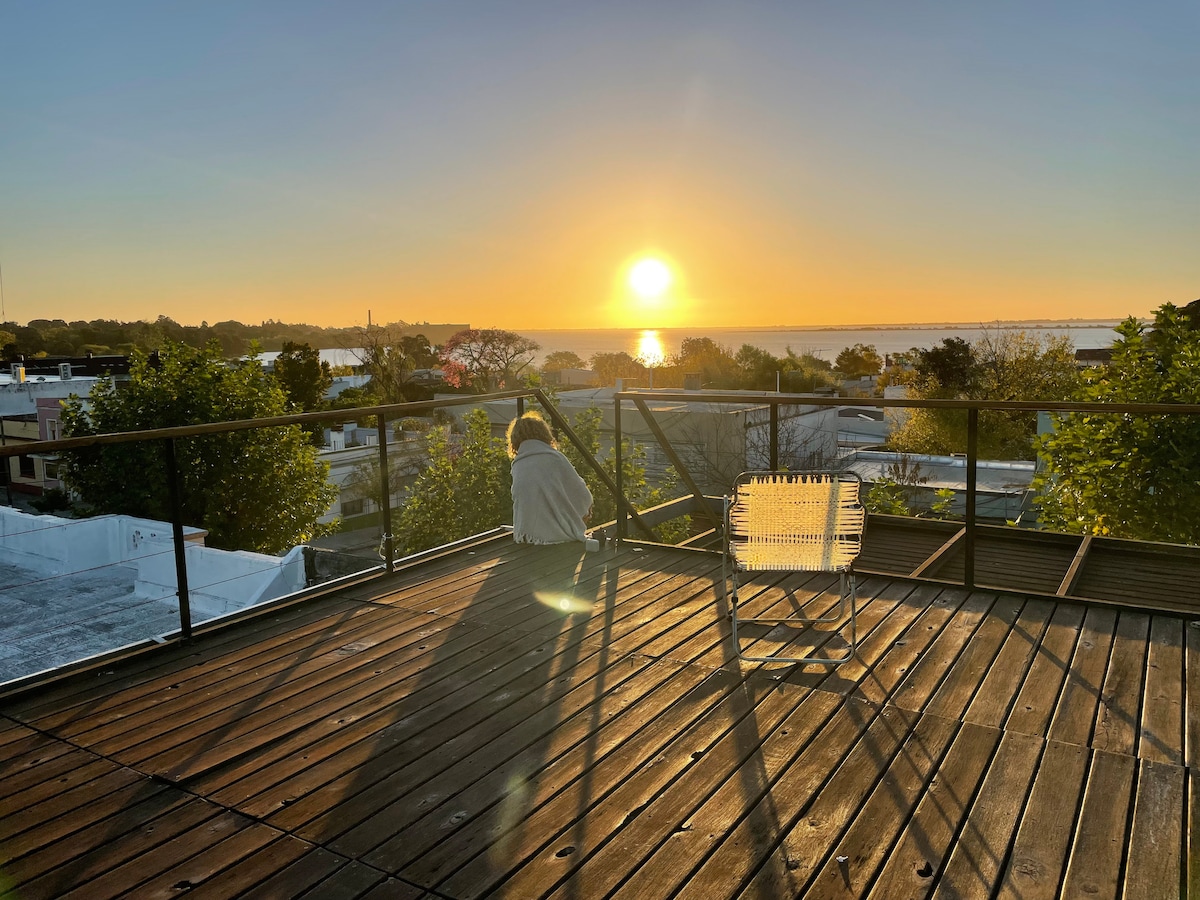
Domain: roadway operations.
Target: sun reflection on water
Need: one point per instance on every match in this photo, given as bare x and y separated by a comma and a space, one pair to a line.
650, 351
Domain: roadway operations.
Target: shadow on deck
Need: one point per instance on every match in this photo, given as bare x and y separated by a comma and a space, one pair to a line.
529, 722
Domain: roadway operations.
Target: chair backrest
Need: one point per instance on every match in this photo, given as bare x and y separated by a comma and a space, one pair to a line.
807, 521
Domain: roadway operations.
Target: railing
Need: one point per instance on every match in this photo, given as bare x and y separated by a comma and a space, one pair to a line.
774, 401
627, 514
168, 437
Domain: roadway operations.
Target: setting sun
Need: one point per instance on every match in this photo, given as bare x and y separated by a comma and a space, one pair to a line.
649, 278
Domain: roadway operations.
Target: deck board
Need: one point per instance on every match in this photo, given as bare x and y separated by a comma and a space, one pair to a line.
495, 721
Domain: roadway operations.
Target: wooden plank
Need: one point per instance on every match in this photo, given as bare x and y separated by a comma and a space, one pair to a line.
1047, 824
1094, 865
1119, 716
749, 809
930, 565
324, 739
1080, 698
924, 678
897, 663
596, 864
1156, 868
351, 881
806, 861
978, 855
916, 861
1007, 671
1193, 834
190, 863
1067, 588
1191, 704
814, 794
561, 793
538, 858
962, 681
245, 877
1039, 694
90, 852
316, 868
1161, 729
528, 731
490, 785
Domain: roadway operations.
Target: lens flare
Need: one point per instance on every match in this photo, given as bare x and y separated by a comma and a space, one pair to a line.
564, 603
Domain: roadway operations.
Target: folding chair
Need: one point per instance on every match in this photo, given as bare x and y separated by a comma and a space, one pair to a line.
795, 522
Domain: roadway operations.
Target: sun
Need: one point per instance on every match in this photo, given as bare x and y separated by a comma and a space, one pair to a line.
649, 278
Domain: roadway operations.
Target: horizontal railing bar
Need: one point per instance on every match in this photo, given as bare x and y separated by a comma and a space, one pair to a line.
185, 431
770, 398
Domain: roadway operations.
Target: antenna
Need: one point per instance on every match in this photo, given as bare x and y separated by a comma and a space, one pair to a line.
3, 316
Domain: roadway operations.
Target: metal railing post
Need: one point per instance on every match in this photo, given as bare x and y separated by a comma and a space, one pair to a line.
385, 496
969, 528
181, 580
520, 407
620, 477
774, 437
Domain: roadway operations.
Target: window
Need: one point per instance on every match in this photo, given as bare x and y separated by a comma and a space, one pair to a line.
52, 429
51, 471
352, 507
26, 462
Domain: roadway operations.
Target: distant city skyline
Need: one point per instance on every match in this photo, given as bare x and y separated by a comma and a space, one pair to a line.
792, 164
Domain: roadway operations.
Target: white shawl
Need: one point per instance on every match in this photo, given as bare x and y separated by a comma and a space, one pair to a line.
549, 498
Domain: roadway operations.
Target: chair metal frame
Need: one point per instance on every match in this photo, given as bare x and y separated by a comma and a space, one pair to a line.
777, 521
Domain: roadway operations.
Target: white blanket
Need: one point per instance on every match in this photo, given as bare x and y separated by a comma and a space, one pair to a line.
550, 500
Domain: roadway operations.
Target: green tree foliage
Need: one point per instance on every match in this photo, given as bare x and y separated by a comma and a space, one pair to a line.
562, 359
1131, 476
859, 360
611, 366
806, 372
390, 355
757, 369
260, 490
638, 489
716, 365
948, 369
478, 357
1003, 365
304, 376
466, 488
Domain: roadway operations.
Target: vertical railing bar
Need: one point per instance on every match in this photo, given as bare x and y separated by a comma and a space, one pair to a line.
774, 436
385, 496
972, 460
624, 507
181, 580
620, 477
520, 407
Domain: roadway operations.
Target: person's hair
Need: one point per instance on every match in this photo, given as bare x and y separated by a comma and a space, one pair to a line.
530, 426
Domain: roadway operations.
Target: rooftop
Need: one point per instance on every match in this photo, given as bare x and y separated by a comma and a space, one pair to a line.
529, 722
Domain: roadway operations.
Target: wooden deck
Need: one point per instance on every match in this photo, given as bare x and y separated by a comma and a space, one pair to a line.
516, 722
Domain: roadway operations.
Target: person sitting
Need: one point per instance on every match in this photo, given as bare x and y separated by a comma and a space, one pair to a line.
551, 503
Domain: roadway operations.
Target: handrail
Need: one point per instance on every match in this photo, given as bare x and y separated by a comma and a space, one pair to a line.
972, 407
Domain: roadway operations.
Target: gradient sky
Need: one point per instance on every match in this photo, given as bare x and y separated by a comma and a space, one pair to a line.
499, 163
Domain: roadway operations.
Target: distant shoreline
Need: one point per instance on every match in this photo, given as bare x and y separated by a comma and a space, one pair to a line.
920, 326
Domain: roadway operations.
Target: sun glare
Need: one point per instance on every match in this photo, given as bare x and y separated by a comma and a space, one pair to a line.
649, 278
650, 351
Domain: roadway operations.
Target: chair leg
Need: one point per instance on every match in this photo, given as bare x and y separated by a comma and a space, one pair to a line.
848, 593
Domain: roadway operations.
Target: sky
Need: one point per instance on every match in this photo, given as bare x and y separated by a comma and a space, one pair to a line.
504, 164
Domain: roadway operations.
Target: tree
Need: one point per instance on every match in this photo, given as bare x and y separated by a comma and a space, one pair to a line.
562, 359
389, 354
260, 490
466, 488
1130, 476
303, 375
637, 487
714, 363
475, 357
1004, 365
757, 369
859, 360
806, 372
611, 366
947, 370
